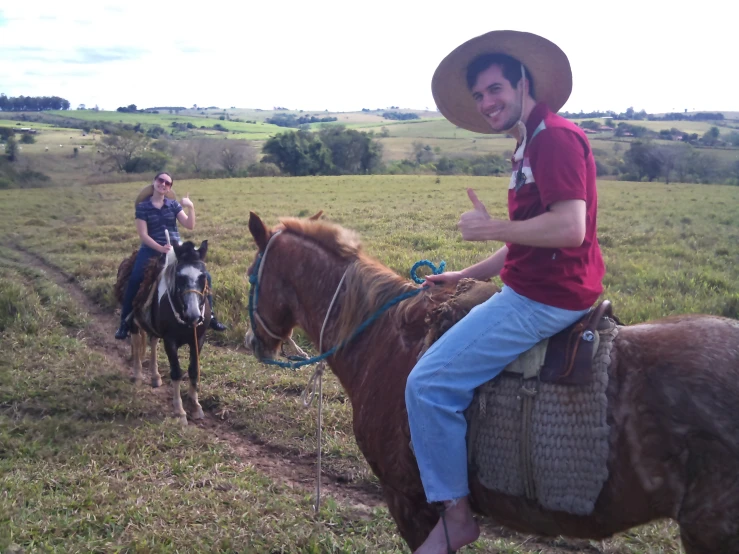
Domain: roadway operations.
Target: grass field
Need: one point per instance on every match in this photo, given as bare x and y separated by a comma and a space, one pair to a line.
699, 127
259, 130
87, 465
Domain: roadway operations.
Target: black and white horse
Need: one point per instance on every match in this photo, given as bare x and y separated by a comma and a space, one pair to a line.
178, 314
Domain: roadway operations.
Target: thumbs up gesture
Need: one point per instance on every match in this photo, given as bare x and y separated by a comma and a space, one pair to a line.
186, 202
475, 224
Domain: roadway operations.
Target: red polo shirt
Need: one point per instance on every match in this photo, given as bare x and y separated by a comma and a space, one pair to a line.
558, 165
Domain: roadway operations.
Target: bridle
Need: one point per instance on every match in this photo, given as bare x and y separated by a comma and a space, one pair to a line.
202, 295
254, 280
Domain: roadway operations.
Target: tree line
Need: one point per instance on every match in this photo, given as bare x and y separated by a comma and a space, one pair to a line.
291, 120
32, 103
632, 114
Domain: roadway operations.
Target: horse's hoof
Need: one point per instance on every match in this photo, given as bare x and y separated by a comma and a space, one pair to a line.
198, 414
182, 420
156, 383
135, 380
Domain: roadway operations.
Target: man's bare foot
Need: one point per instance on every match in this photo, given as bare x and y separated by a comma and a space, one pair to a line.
461, 526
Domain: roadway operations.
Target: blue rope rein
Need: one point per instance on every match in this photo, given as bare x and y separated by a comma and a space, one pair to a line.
435, 270
294, 362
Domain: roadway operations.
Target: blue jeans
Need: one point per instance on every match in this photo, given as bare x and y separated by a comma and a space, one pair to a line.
137, 276
441, 385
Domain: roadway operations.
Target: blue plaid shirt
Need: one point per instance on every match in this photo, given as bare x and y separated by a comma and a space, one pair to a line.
157, 220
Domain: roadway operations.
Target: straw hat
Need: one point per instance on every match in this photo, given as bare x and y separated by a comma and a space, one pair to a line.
148, 190
548, 65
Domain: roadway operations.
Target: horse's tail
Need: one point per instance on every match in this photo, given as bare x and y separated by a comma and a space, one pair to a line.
124, 274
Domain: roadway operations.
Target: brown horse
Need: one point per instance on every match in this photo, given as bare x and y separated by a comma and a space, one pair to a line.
673, 396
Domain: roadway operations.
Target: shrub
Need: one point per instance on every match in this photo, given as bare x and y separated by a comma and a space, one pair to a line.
151, 161
264, 169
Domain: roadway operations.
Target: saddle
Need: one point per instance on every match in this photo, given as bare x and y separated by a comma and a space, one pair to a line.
540, 429
144, 296
569, 357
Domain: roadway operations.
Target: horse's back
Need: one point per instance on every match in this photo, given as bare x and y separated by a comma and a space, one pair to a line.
702, 345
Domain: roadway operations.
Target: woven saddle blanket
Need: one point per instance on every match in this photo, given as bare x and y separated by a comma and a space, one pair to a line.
547, 442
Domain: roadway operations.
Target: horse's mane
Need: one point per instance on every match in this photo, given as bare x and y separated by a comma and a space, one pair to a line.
368, 284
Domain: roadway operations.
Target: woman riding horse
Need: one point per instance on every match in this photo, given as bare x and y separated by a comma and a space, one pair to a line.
157, 210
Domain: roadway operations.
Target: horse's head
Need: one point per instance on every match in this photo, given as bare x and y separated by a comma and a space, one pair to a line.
189, 285
271, 318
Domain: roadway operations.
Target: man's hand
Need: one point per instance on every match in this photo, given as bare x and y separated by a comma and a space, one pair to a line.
186, 202
475, 224
447, 278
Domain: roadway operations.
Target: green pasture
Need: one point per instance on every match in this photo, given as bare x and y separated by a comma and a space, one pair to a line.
398, 148
252, 130
12, 123
89, 464
698, 127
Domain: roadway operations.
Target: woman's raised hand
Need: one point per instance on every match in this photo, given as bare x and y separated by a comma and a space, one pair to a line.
186, 202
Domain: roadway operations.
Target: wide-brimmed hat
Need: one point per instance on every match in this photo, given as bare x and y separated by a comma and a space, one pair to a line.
545, 61
148, 190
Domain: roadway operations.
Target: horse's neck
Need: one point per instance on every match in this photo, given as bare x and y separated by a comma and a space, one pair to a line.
357, 364
313, 295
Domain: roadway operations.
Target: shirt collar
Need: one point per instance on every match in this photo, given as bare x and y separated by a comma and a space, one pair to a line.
537, 115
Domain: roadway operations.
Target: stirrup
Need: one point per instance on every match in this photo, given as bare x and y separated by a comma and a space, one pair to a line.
442, 516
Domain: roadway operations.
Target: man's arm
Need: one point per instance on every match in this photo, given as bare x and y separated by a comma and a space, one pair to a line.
482, 271
488, 268
563, 226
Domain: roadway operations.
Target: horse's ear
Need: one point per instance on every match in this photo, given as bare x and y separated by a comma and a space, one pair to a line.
203, 250
316, 217
177, 248
258, 230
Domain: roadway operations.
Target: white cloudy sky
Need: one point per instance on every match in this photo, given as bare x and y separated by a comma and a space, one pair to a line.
344, 55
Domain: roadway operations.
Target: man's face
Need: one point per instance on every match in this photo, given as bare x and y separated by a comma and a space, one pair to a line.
497, 101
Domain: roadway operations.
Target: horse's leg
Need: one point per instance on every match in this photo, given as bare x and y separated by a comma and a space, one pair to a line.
709, 514
156, 379
170, 347
194, 374
137, 352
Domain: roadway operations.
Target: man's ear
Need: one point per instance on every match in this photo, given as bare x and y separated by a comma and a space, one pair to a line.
259, 231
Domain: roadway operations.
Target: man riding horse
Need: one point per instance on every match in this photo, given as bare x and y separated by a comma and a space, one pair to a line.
551, 265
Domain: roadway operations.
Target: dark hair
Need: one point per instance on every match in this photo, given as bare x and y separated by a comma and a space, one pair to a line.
164, 173
510, 67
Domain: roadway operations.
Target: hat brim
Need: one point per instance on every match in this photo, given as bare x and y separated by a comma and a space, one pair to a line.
148, 191
546, 62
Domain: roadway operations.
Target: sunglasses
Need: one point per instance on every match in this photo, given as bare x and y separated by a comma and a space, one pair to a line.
164, 182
